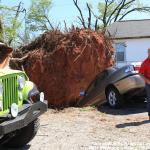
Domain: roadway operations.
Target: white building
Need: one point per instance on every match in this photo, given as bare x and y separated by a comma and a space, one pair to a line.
131, 40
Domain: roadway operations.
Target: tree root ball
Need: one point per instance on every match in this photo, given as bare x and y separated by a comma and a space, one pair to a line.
63, 64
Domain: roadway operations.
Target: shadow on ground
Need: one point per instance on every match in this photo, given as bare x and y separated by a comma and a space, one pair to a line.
27, 147
133, 107
132, 124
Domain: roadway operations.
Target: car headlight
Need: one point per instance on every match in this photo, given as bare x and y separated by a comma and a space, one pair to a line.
42, 97
14, 110
21, 82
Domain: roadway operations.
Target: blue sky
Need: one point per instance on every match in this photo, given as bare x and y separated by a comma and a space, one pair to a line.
65, 10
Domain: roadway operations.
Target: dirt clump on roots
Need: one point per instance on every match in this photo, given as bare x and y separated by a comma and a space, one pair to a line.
63, 64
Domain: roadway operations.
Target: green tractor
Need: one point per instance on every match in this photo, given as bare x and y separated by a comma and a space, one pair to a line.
20, 106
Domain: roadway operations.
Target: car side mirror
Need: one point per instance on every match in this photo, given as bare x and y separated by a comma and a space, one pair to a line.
82, 93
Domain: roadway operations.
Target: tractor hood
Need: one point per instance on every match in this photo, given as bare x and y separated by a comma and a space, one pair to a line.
4, 72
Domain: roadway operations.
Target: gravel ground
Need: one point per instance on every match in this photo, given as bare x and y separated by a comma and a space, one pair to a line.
92, 129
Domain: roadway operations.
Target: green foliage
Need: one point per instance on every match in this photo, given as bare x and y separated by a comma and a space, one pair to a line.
101, 9
10, 30
9, 24
37, 18
116, 10
18, 25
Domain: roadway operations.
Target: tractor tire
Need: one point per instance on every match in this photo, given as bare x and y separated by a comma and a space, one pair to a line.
23, 136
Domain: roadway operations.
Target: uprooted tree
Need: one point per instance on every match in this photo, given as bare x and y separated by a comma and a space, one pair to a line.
64, 63
109, 11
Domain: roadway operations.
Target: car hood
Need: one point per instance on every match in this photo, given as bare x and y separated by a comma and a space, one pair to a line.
122, 73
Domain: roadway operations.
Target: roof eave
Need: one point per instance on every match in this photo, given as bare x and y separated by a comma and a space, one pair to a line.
120, 38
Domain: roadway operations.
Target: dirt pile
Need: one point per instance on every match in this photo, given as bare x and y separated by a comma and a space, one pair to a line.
63, 64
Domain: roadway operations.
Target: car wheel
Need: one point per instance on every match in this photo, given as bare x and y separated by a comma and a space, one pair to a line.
23, 136
114, 98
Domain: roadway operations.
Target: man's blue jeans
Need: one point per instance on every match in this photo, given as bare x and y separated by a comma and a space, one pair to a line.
148, 98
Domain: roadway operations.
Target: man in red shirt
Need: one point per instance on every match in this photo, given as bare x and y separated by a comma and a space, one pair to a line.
145, 72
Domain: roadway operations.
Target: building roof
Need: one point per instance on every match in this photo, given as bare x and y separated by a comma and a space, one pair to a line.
130, 29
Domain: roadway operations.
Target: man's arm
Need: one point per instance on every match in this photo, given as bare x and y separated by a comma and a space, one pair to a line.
142, 73
145, 79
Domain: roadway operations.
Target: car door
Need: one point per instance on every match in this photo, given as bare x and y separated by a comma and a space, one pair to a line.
100, 86
95, 91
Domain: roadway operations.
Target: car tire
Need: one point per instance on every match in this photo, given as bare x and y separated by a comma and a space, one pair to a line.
23, 136
114, 98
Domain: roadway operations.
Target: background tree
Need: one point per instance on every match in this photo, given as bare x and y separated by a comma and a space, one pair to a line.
1, 25
19, 26
111, 11
1, 31
86, 22
116, 10
10, 23
38, 16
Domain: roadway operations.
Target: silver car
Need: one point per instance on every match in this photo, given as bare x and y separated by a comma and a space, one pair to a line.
114, 86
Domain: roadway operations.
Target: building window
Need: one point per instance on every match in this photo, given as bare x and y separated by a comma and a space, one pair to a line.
120, 52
